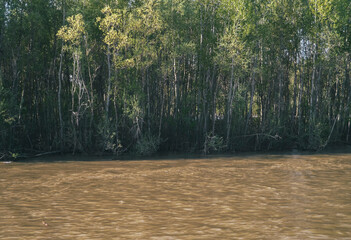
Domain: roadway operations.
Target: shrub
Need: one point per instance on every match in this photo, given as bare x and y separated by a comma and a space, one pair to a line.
213, 143
147, 145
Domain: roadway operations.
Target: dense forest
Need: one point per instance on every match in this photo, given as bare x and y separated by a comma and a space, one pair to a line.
104, 76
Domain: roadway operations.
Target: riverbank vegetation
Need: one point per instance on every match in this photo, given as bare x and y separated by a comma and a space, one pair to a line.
188, 76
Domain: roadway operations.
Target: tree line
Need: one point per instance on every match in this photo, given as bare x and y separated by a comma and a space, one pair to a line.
172, 75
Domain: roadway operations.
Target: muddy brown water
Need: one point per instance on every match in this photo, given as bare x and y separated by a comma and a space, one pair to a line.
239, 197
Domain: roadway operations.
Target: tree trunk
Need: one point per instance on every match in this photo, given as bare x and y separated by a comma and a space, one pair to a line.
116, 120
230, 101
91, 100
299, 110
107, 106
162, 107
205, 102
74, 114
348, 98
148, 102
249, 115
175, 88
312, 98
205, 111
294, 110
214, 100
280, 82
60, 80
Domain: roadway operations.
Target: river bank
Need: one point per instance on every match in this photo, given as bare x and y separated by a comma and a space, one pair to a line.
55, 156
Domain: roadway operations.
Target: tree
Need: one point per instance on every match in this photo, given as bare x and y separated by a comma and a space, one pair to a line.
73, 36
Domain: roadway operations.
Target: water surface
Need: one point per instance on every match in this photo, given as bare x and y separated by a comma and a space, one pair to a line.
240, 197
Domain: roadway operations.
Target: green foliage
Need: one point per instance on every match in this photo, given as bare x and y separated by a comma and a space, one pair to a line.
135, 114
14, 155
108, 140
134, 72
147, 145
74, 32
6, 119
214, 143
112, 25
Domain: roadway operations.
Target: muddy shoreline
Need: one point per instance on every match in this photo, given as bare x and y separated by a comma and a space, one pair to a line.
57, 156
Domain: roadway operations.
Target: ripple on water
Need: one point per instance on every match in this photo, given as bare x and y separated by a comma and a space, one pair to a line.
259, 197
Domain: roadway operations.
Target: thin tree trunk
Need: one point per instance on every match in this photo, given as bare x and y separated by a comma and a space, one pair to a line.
249, 115
312, 104
205, 102
148, 102
294, 110
230, 102
299, 110
200, 135
60, 80
91, 100
15, 81
116, 120
162, 108
175, 88
348, 130
347, 93
204, 111
108, 84
317, 97
74, 114
214, 87
280, 76
20, 106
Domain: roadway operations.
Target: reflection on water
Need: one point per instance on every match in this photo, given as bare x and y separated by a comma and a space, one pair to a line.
242, 197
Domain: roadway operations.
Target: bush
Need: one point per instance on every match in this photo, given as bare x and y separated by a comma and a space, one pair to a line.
213, 143
147, 145
7, 120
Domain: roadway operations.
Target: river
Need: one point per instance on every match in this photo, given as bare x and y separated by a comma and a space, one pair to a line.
267, 196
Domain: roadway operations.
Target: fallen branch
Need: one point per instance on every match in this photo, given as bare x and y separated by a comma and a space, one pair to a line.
46, 153
275, 137
331, 131
16, 156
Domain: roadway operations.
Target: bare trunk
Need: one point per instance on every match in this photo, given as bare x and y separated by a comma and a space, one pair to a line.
299, 110
91, 100
214, 87
108, 84
162, 109
60, 81
116, 120
312, 93
205, 103
348, 93
348, 130
59, 99
205, 112
15, 81
148, 103
317, 97
20, 106
200, 135
175, 88
230, 101
74, 114
249, 115
294, 110
280, 96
